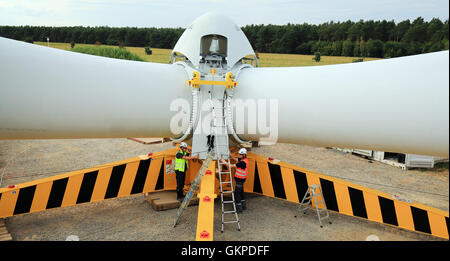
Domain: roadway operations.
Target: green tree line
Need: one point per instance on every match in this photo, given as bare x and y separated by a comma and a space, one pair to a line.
370, 38
361, 39
128, 36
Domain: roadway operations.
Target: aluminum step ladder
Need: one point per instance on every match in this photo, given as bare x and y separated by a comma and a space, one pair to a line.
221, 147
313, 192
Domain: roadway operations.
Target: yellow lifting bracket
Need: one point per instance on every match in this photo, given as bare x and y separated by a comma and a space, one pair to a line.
195, 82
229, 82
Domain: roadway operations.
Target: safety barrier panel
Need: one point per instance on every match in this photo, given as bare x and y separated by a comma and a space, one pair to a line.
268, 177
277, 179
206, 196
141, 174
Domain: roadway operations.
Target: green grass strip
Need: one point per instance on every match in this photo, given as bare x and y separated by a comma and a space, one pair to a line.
111, 52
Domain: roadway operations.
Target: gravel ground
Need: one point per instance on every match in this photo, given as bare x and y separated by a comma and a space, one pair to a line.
267, 219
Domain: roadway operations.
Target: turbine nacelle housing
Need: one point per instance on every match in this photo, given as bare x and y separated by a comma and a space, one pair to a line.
213, 39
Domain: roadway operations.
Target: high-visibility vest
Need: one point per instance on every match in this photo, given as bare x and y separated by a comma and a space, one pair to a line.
242, 173
180, 163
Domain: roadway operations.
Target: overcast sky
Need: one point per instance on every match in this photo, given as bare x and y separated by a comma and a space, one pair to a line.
180, 13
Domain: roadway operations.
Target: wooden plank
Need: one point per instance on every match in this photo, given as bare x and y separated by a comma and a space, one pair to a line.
4, 234
148, 140
6, 237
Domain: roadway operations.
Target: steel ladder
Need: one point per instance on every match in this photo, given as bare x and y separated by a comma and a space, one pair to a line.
221, 147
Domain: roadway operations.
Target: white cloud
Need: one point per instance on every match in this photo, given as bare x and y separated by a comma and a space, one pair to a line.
30, 5
42, 12
180, 13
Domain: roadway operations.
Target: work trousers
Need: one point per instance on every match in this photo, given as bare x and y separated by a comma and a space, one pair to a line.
239, 193
180, 176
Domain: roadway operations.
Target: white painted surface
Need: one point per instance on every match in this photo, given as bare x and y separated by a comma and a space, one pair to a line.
49, 93
399, 104
213, 23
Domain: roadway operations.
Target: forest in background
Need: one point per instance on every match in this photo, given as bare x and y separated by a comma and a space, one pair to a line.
381, 39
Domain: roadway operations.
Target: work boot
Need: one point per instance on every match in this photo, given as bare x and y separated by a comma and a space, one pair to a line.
180, 197
239, 208
244, 206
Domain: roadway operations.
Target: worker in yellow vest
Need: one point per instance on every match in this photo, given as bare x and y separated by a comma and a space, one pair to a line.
240, 176
181, 166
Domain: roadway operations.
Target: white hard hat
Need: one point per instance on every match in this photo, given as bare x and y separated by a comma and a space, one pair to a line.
183, 145
243, 151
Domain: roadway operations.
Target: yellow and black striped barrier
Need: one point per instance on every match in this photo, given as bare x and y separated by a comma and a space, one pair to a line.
141, 174
285, 181
268, 177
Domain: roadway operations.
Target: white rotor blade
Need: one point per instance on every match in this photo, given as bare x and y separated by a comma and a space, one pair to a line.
51, 93
397, 105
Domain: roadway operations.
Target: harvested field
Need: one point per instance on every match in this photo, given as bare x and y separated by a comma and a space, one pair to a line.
265, 59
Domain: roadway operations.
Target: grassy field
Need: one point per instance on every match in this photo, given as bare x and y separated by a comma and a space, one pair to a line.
265, 59
285, 60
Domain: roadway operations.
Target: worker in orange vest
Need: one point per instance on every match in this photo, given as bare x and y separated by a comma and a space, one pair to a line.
240, 176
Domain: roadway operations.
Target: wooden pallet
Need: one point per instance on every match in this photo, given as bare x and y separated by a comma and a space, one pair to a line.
4, 234
163, 200
149, 140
